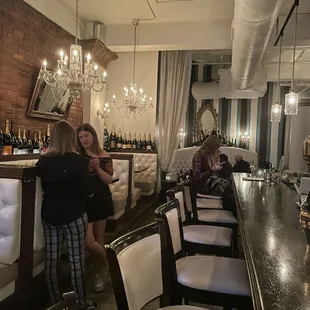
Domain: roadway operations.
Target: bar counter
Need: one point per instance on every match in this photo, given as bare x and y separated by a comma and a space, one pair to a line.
276, 245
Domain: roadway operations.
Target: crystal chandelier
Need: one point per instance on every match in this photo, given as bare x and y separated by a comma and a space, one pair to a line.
291, 99
276, 108
134, 100
72, 74
105, 113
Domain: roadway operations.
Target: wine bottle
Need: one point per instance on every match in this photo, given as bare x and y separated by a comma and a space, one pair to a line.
44, 147
35, 144
149, 143
139, 142
134, 142
106, 143
1, 141
124, 147
48, 134
30, 147
129, 142
25, 143
154, 144
113, 139
144, 143
40, 142
19, 143
119, 144
235, 143
13, 139
7, 139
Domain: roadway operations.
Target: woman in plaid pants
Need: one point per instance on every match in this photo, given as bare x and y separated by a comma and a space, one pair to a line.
66, 186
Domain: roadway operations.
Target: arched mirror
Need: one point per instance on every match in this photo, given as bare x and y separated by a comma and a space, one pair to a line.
206, 119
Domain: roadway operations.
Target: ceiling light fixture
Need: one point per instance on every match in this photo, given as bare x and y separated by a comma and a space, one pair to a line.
134, 99
73, 74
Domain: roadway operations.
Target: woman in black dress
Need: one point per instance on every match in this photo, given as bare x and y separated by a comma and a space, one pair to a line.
100, 206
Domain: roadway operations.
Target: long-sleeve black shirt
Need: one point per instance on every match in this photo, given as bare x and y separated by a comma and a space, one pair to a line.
66, 185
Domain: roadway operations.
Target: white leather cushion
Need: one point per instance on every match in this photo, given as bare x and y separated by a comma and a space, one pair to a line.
149, 161
188, 201
121, 171
144, 283
217, 216
210, 235
145, 185
180, 197
10, 218
209, 203
209, 196
174, 227
135, 196
214, 274
183, 308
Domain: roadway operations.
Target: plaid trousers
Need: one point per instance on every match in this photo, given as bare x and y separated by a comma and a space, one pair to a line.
75, 236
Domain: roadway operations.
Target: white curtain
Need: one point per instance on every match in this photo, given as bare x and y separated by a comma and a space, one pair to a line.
175, 74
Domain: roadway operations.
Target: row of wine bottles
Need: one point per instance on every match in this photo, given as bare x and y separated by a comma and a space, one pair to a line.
198, 139
128, 141
11, 144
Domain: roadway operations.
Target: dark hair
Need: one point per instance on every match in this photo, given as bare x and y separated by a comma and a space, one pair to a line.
223, 157
95, 148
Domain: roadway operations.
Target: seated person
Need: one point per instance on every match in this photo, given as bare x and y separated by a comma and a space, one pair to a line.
241, 165
227, 169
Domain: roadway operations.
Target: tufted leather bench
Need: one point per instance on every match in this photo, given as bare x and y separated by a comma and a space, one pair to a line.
146, 180
182, 158
21, 233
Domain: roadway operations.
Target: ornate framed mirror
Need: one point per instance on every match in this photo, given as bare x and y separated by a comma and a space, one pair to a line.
207, 119
49, 104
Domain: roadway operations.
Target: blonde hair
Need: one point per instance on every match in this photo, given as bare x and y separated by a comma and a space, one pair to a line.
62, 139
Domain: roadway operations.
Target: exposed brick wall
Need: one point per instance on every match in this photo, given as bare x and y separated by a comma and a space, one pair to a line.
26, 38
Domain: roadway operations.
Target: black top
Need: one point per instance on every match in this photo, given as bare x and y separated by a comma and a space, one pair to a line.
276, 245
65, 182
226, 171
242, 166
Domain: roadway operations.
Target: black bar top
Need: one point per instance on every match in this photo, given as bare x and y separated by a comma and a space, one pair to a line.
276, 245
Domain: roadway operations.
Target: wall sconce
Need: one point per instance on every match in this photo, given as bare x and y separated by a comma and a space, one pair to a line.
291, 103
244, 140
276, 111
105, 113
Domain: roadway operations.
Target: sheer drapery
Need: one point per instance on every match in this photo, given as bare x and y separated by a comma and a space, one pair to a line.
175, 73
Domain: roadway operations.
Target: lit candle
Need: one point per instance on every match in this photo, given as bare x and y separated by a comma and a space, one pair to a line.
104, 75
88, 58
66, 60
95, 68
44, 64
59, 72
75, 53
61, 53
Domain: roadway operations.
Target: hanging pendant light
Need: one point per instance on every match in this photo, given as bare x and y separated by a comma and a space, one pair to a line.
291, 99
276, 108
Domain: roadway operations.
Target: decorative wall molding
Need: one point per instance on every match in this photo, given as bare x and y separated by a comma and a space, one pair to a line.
100, 53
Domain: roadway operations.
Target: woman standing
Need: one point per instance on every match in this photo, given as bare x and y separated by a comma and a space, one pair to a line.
65, 182
101, 205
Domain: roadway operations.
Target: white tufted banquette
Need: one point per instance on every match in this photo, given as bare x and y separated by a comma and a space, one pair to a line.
146, 180
182, 158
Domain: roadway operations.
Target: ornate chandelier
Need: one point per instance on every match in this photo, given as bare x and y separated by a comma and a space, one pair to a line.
72, 74
134, 100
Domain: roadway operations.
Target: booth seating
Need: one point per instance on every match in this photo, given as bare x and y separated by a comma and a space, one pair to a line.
146, 180
21, 234
182, 158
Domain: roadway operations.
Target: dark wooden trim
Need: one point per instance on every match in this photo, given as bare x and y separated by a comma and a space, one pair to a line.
19, 157
254, 285
25, 262
132, 151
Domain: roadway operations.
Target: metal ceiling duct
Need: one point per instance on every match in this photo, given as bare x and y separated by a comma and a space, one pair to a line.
253, 23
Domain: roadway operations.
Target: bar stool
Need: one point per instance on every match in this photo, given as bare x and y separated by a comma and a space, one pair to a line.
137, 272
213, 217
220, 281
203, 239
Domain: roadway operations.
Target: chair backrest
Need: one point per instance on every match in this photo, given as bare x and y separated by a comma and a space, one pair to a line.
193, 194
169, 213
178, 193
135, 262
187, 196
